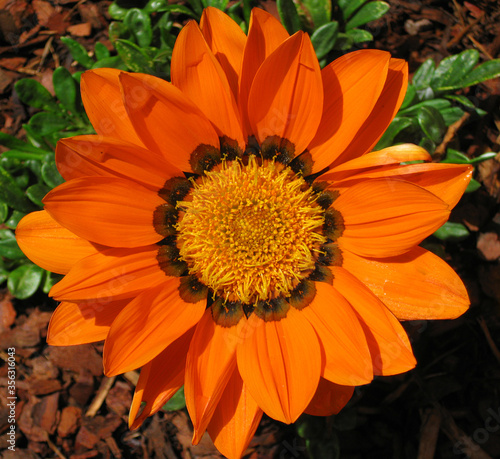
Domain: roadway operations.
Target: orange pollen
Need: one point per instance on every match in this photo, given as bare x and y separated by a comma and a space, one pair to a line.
249, 232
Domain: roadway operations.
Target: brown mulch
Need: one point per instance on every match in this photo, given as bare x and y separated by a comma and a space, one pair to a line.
448, 407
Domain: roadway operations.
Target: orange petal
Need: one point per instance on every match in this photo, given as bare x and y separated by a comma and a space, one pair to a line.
265, 34
147, 325
165, 119
329, 398
210, 362
83, 322
200, 76
286, 98
111, 273
415, 285
385, 218
347, 357
235, 419
280, 362
385, 110
226, 41
50, 245
387, 340
388, 156
106, 210
352, 85
159, 380
447, 181
91, 155
103, 103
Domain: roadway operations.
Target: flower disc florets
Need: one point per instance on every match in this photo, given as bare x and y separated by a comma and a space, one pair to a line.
250, 230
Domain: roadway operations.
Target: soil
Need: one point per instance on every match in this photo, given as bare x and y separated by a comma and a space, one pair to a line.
448, 407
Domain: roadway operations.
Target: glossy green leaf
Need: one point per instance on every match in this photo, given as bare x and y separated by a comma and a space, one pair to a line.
37, 192
12, 195
51, 175
359, 35
410, 97
177, 402
100, 50
319, 10
367, 13
45, 123
472, 186
396, 126
134, 57
34, 94
14, 219
452, 232
457, 157
438, 104
453, 69
78, 52
138, 22
114, 62
289, 16
8, 246
451, 115
24, 280
349, 7
117, 30
323, 39
423, 76
116, 11
483, 72
343, 42
181, 9
4, 211
220, 4
12, 142
197, 6
66, 89
22, 155
431, 123
461, 100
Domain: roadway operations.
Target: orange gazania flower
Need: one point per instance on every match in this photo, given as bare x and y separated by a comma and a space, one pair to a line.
231, 231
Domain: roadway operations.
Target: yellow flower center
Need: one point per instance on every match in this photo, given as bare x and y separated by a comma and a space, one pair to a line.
250, 232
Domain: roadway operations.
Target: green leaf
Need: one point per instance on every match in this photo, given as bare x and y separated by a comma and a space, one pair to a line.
457, 157
100, 51
134, 57
23, 155
432, 123
10, 141
323, 39
139, 24
343, 42
411, 94
34, 94
461, 100
396, 126
452, 232
320, 11
359, 35
423, 76
367, 13
289, 16
197, 7
348, 7
155, 6
4, 211
438, 104
78, 52
452, 69
9, 249
177, 402
483, 72
45, 123
114, 62
116, 11
51, 175
181, 9
37, 192
12, 195
220, 4
25, 280
472, 186
451, 115
66, 89
14, 219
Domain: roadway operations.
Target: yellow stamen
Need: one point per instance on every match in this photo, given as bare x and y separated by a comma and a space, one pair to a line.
249, 232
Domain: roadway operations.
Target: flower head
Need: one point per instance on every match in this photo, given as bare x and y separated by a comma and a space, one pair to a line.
231, 231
